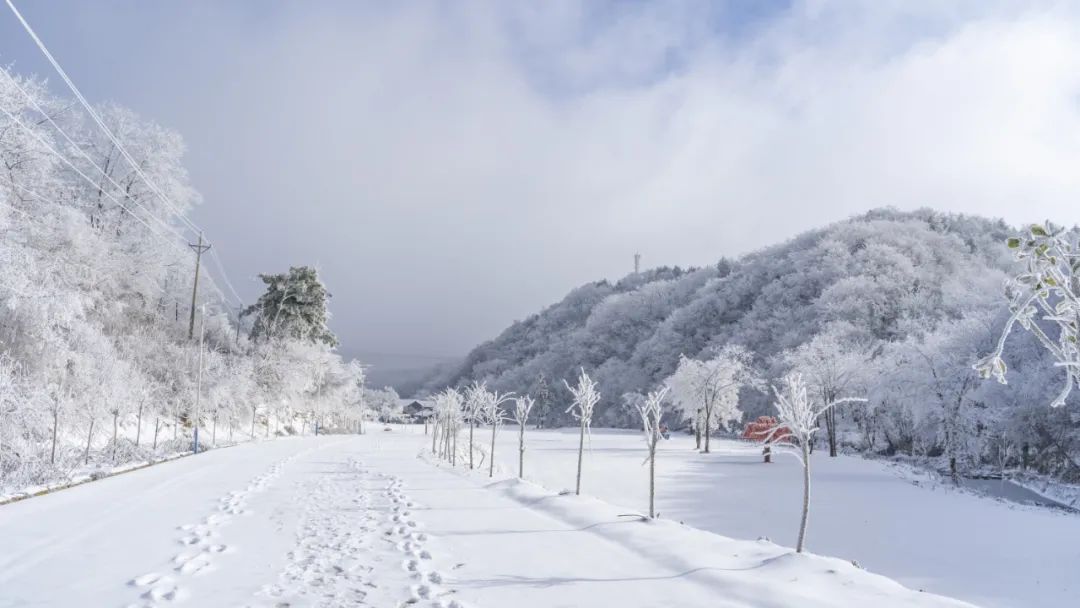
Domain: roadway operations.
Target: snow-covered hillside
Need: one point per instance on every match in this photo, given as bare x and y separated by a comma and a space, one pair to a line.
370, 521
899, 305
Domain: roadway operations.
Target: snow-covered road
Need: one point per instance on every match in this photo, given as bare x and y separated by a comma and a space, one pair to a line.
362, 521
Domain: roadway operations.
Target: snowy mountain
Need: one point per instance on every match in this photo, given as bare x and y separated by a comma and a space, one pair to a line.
897, 284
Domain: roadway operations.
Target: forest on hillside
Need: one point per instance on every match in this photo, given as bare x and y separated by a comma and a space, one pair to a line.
105, 358
898, 306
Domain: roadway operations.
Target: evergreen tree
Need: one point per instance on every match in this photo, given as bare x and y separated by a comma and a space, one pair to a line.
294, 306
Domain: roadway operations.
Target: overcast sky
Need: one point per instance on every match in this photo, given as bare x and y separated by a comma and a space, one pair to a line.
453, 166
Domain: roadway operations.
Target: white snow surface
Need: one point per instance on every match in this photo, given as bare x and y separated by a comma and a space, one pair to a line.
372, 521
890, 519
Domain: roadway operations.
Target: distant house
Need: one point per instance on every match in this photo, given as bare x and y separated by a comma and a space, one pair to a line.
416, 410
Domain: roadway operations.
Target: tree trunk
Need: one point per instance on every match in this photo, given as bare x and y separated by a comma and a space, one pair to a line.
55, 424
697, 430
213, 433
453, 448
138, 423
447, 436
434, 435
521, 451
253, 426
830, 430
157, 427
89, 437
580, 453
115, 417
708, 423
652, 476
491, 464
805, 496
472, 424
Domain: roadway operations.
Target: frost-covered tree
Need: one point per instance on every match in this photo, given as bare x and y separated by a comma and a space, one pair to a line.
96, 295
934, 374
831, 365
651, 410
494, 415
294, 306
354, 397
447, 414
709, 390
798, 414
1045, 300
585, 399
476, 395
544, 400
386, 403
522, 406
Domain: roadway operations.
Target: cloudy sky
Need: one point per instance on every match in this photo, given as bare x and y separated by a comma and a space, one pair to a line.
453, 166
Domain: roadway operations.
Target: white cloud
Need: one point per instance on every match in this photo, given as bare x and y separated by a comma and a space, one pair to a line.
454, 166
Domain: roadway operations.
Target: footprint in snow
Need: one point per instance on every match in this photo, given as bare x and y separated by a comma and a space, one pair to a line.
160, 587
194, 565
147, 579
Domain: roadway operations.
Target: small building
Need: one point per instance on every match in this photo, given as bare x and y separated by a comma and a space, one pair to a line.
417, 410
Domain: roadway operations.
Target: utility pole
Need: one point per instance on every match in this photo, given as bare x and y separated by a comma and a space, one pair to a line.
198, 381
637, 263
199, 250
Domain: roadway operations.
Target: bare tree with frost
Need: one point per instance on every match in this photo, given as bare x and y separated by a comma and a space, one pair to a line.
585, 399
447, 414
1048, 288
494, 415
475, 397
651, 409
797, 413
522, 406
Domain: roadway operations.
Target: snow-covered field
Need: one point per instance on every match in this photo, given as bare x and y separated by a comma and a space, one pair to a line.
370, 521
926, 536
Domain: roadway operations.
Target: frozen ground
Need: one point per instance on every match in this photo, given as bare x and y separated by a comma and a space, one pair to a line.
924, 535
362, 521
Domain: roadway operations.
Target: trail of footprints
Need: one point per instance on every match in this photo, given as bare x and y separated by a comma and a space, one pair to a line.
412, 543
199, 550
340, 546
342, 554
327, 566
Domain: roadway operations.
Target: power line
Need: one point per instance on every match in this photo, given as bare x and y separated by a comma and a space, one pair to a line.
79, 149
90, 181
97, 119
116, 142
41, 140
51, 202
225, 278
47, 146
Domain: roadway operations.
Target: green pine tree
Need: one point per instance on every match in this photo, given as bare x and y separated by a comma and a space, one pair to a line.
293, 307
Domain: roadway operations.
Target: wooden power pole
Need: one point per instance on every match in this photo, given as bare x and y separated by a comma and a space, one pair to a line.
199, 250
